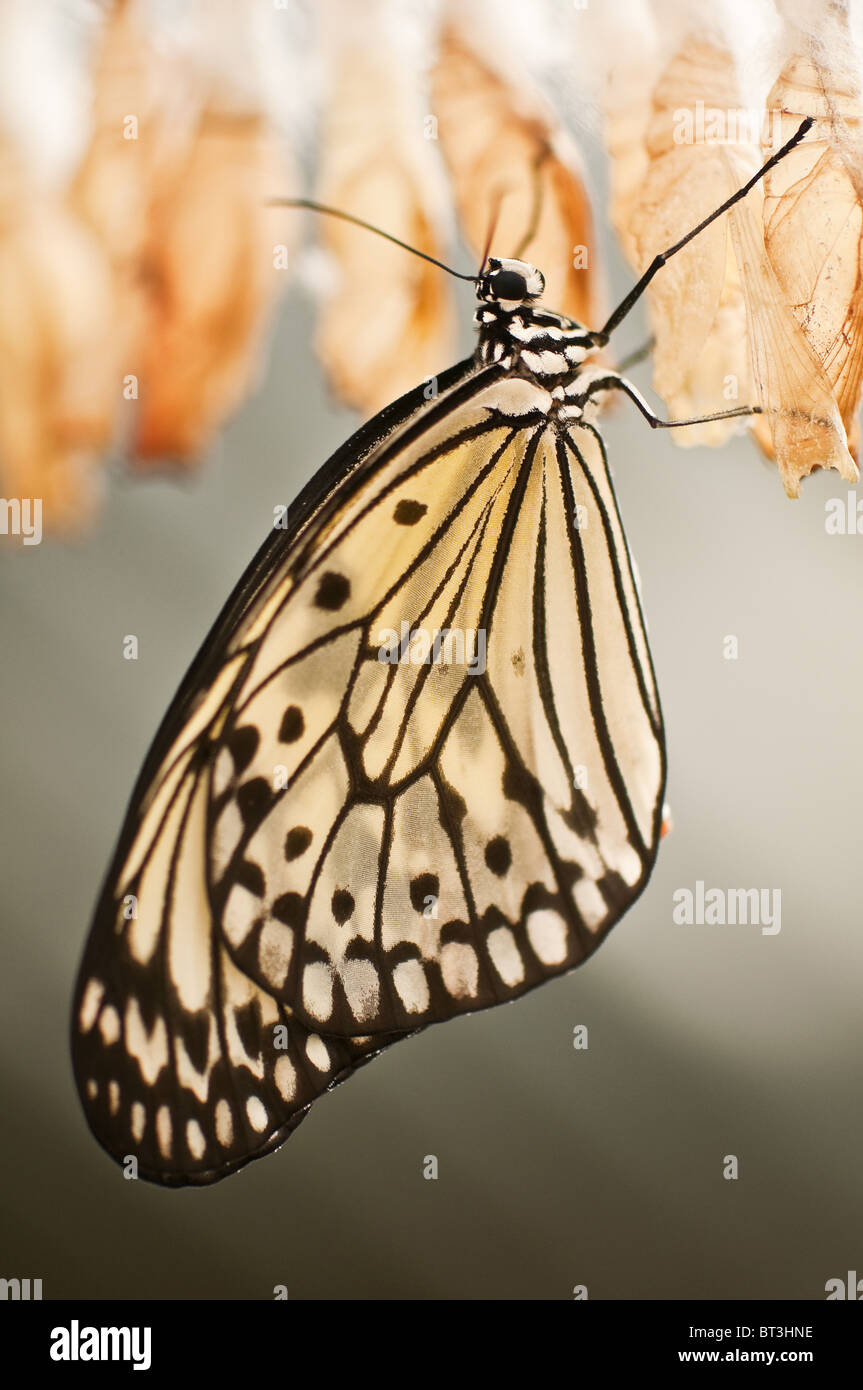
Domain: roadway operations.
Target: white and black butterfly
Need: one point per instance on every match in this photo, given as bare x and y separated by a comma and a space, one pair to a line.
416, 769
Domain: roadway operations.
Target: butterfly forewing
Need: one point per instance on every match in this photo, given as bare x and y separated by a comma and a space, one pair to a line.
451, 831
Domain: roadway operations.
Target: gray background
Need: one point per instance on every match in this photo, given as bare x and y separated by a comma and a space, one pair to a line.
557, 1167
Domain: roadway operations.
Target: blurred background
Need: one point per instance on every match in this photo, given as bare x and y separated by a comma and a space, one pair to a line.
557, 1167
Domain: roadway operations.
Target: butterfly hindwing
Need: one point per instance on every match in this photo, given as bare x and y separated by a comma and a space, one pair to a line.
182, 1062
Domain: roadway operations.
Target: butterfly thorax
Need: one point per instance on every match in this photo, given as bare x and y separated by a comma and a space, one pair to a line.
515, 333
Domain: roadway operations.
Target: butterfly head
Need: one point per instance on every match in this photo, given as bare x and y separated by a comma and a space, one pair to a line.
516, 333
509, 283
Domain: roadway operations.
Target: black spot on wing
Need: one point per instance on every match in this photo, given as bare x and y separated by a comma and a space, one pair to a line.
517, 785
248, 1024
254, 800
459, 931
243, 744
614, 890
195, 1031
290, 908
498, 855
292, 725
409, 512
251, 876
422, 887
297, 841
580, 816
402, 951
333, 591
342, 905
150, 1007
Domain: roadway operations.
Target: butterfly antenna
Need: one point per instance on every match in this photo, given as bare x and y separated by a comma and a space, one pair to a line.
369, 227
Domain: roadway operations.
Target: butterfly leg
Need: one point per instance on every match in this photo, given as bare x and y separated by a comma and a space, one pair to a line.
612, 382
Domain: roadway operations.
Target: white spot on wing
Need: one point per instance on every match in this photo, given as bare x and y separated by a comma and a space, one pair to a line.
257, 1113
459, 968
109, 1025
90, 1004
224, 1124
242, 910
505, 956
285, 1078
627, 864
223, 772
318, 990
164, 1131
227, 833
589, 902
409, 978
239, 992
188, 935
275, 945
195, 1139
187, 1073
546, 932
316, 1051
149, 1050
360, 982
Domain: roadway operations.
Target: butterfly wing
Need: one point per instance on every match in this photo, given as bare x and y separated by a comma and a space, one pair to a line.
340, 836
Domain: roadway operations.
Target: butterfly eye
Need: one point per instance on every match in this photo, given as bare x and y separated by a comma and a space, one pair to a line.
508, 284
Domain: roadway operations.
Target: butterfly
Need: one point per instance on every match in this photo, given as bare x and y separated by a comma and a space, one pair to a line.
416, 769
